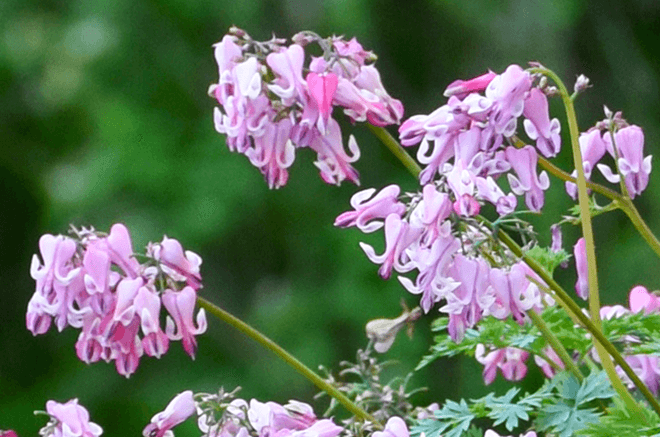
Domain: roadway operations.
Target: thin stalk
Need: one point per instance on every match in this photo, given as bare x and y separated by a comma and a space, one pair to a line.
555, 344
628, 207
587, 232
561, 174
393, 145
576, 312
565, 300
287, 358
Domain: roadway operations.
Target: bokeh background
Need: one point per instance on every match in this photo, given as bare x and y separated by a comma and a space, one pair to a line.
104, 118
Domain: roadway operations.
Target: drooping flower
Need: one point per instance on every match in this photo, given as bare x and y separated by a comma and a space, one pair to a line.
538, 125
370, 211
395, 427
592, 148
582, 284
69, 419
510, 361
634, 167
461, 88
527, 182
178, 410
398, 236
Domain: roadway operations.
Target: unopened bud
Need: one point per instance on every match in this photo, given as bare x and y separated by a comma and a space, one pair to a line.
581, 84
384, 331
551, 91
236, 31
303, 38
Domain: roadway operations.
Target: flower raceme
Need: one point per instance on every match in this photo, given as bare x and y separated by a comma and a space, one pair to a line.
421, 235
275, 100
473, 130
95, 283
222, 415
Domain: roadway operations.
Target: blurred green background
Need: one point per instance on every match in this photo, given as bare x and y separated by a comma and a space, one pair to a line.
104, 118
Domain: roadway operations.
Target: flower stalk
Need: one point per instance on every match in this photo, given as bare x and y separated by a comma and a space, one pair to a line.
287, 358
567, 302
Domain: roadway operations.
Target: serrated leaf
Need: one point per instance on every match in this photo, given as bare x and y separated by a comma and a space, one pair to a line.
549, 259
594, 386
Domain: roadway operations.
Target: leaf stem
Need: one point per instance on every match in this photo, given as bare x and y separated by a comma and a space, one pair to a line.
287, 358
590, 248
555, 344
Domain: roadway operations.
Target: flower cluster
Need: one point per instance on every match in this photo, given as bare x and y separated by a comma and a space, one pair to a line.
222, 415
449, 260
477, 131
8, 433
647, 367
624, 143
94, 282
68, 420
511, 362
273, 102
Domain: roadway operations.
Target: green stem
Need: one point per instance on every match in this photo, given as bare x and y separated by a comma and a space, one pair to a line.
555, 344
575, 311
566, 301
286, 357
628, 207
396, 148
587, 232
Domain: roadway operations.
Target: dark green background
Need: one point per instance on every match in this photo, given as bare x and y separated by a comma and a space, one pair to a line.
104, 118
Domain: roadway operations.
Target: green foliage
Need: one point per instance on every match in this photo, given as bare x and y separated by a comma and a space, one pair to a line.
549, 259
502, 333
619, 423
569, 411
562, 406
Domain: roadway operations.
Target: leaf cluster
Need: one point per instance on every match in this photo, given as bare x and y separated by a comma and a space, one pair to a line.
562, 406
633, 333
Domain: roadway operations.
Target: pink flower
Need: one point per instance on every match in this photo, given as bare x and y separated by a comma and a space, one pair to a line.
634, 167
95, 284
592, 148
647, 367
548, 370
180, 326
399, 235
178, 410
488, 190
433, 282
287, 66
582, 284
332, 160
461, 88
8, 433
322, 89
431, 213
370, 211
508, 91
395, 427
273, 153
524, 162
510, 361
538, 125
463, 303
71, 419
179, 266
641, 300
